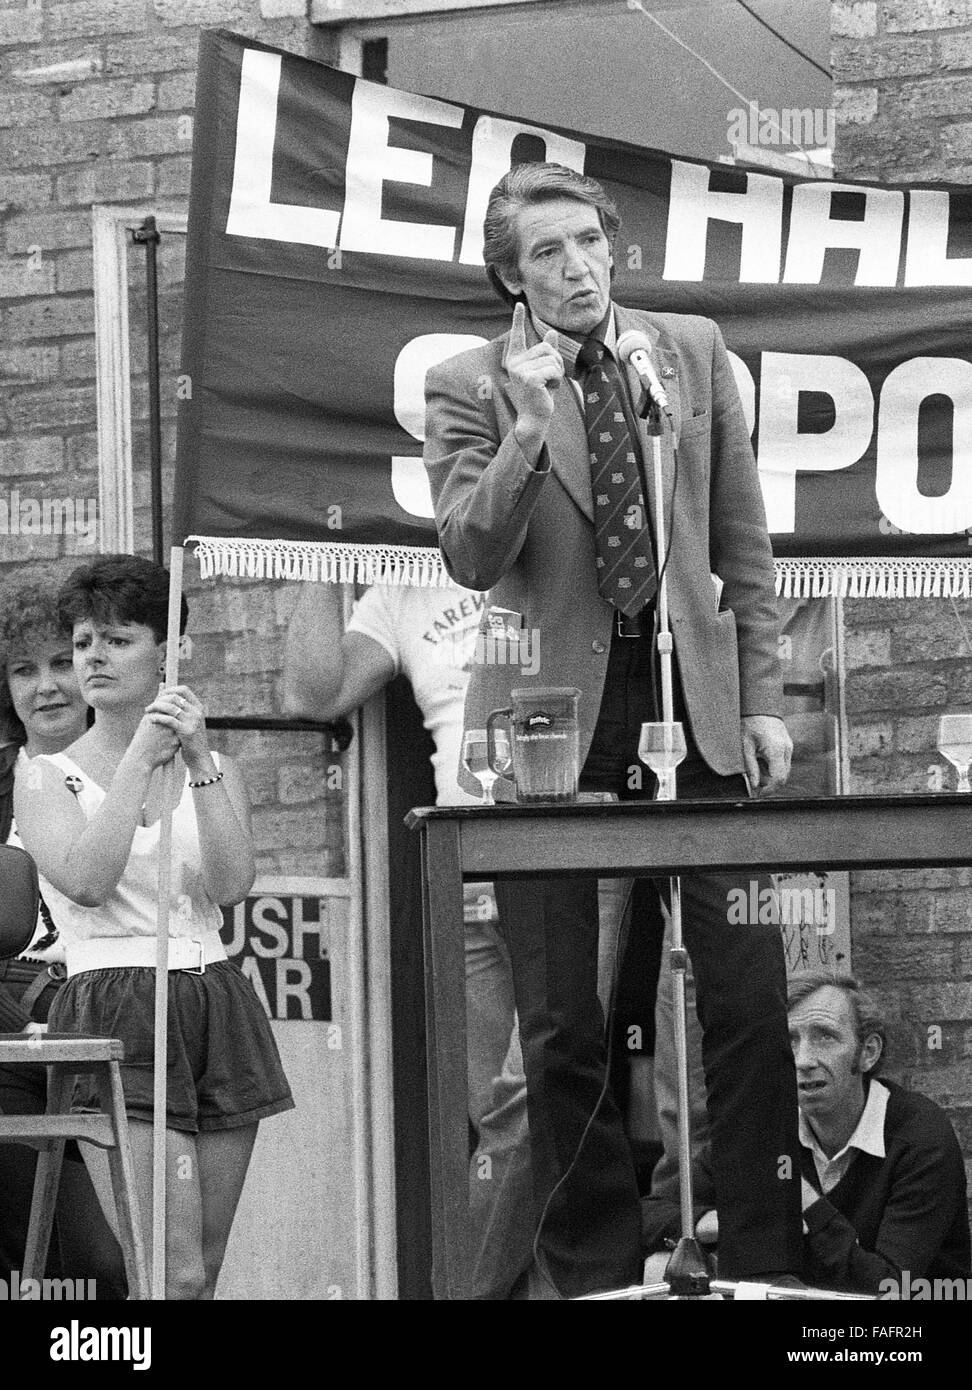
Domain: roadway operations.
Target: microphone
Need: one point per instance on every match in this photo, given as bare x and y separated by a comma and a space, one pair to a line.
635, 347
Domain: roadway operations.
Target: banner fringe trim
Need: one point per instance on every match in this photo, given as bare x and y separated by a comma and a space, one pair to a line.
867, 576
343, 562
332, 562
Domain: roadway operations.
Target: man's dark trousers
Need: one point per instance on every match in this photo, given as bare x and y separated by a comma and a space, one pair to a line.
591, 1231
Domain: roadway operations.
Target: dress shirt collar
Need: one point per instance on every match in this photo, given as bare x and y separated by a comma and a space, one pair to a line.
568, 347
868, 1137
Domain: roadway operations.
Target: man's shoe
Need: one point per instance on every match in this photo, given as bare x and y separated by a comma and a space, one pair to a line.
778, 1280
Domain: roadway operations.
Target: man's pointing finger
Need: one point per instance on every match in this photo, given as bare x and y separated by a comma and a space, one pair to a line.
518, 331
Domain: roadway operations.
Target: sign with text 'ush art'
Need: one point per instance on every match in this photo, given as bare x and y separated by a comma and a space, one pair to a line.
282, 936
335, 252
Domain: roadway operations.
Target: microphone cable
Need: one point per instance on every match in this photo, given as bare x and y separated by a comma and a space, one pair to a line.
669, 536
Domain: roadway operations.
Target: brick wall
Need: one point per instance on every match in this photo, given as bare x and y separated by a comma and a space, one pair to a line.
903, 95
96, 102
903, 88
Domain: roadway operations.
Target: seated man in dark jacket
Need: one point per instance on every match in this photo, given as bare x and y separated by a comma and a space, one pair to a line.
883, 1175
884, 1193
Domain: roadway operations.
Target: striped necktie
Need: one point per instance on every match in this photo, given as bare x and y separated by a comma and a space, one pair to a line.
625, 563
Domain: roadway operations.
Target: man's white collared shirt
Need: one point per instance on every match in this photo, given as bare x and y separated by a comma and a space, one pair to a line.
868, 1138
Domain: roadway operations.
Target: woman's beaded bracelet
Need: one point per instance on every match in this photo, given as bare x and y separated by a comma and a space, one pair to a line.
207, 781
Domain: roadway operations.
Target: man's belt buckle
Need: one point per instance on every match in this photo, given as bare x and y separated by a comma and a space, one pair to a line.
629, 627
200, 968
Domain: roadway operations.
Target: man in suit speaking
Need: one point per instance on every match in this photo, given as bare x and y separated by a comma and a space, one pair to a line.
531, 447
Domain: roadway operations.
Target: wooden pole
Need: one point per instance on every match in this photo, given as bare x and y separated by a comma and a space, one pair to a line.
160, 1075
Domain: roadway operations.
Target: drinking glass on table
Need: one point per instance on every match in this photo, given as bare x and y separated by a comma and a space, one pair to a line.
662, 747
955, 744
475, 759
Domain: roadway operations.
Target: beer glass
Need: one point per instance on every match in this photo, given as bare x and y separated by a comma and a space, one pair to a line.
545, 742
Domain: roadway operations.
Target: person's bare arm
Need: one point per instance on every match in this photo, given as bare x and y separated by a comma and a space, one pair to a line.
222, 806
84, 859
327, 672
225, 840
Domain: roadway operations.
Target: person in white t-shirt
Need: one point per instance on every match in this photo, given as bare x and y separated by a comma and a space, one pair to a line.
429, 634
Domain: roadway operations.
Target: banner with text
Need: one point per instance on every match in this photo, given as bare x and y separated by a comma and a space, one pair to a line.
335, 253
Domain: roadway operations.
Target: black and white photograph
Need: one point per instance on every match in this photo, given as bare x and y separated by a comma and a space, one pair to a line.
486, 669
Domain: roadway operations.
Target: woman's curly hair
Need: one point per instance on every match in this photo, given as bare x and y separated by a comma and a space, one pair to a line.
28, 615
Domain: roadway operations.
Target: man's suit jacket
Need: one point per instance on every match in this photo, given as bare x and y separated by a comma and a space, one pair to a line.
527, 534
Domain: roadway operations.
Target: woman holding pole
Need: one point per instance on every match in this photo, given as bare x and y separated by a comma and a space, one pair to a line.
90, 817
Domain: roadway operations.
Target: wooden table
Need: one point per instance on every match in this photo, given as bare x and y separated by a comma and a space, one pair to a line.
623, 839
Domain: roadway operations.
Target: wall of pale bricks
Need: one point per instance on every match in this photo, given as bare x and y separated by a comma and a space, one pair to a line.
903, 96
96, 102
903, 74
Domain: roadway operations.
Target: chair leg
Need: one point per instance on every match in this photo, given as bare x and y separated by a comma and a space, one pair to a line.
123, 1182
47, 1179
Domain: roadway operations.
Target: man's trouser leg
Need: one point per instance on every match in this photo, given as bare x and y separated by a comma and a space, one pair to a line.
500, 1197
590, 1237
740, 979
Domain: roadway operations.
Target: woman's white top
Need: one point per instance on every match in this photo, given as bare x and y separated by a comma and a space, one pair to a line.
132, 908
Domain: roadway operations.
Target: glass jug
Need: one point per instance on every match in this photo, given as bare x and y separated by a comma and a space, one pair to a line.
542, 758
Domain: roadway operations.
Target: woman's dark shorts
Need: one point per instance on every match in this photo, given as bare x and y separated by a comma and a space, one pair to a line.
224, 1071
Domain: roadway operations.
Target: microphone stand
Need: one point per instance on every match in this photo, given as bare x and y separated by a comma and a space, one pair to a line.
687, 1272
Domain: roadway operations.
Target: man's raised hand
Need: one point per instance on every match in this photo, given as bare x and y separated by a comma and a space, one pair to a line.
534, 374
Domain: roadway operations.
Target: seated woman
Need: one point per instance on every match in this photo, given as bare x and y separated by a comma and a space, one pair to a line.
41, 711
90, 817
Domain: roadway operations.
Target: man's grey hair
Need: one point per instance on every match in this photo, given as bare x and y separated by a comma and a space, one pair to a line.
525, 186
868, 1017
